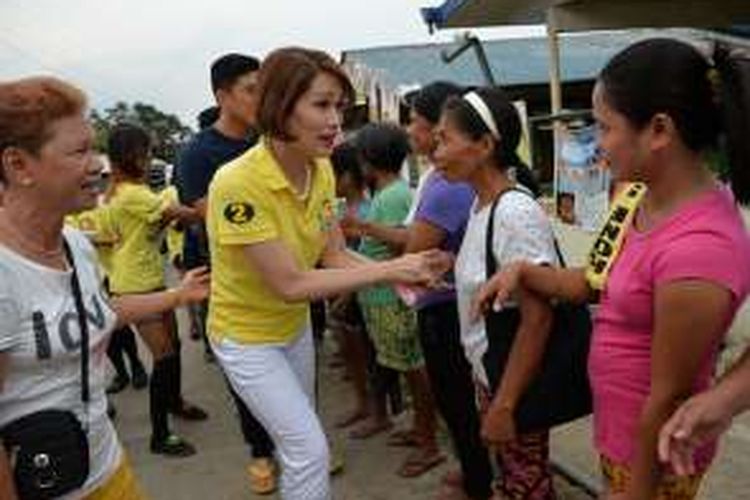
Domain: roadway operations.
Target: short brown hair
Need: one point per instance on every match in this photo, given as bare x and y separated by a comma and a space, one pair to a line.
284, 76
29, 106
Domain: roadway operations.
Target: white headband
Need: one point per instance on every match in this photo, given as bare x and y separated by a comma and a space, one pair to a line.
476, 102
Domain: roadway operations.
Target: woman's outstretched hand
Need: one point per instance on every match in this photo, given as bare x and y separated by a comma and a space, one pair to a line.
699, 420
495, 292
352, 227
424, 268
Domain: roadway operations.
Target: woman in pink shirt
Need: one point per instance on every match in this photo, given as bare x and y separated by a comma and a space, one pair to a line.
683, 266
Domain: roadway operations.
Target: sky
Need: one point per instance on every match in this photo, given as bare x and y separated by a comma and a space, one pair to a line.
159, 51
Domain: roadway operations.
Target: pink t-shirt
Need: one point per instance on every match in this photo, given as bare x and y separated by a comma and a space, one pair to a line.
706, 239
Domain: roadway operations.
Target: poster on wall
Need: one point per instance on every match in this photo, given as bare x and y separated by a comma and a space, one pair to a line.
583, 186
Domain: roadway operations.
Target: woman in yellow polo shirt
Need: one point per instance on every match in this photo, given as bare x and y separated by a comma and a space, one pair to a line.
101, 229
98, 225
271, 220
137, 266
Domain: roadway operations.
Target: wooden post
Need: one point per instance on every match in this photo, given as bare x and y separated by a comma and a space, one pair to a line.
555, 88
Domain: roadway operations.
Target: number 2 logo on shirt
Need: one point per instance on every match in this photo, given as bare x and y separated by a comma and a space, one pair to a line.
239, 212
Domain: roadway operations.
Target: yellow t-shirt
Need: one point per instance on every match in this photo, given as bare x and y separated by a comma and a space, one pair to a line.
175, 233
98, 225
137, 263
251, 201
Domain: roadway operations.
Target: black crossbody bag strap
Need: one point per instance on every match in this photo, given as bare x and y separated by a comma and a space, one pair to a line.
84, 327
560, 390
489, 256
49, 448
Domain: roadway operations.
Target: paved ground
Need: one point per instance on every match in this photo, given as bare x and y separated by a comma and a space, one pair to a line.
217, 471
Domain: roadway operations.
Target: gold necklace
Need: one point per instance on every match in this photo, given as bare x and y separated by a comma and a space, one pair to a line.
27, 246
308, 182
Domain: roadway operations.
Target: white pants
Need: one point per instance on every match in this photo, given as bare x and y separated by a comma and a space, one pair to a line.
277, 383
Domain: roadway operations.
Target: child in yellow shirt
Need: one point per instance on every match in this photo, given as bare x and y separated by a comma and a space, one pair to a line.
137, 268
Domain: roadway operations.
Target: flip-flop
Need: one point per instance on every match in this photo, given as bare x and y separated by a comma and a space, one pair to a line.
262, 475
448, 492
336, 465
453, 477
189, 412
367, 430
403, 439
336, 361
418, 464
350, 419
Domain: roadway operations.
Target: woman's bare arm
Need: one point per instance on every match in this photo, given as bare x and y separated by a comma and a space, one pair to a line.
546, 281
281, 273
688, 318
194, 287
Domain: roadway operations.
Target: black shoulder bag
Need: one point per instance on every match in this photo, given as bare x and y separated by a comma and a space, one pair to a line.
560, 391
48, 449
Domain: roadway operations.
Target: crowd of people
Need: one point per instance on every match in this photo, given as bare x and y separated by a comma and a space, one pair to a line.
293, 210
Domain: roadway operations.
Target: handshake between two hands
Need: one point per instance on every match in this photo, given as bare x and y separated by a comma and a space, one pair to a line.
415, 274
425, 271
412, 274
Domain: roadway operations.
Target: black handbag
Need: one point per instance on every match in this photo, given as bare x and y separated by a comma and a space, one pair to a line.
48, 450
559, 392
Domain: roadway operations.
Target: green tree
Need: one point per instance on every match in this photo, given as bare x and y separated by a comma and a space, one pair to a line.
101, 130
167, 131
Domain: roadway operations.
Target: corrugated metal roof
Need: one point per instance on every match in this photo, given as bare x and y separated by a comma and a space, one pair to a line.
513, 61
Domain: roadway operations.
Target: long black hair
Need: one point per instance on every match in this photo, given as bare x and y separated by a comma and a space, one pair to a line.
508, 123
708, 103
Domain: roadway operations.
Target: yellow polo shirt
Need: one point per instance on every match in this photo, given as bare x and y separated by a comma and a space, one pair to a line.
98, 225
250, 201
175, 232
137, 262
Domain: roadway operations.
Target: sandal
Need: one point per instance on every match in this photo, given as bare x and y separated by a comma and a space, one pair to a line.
336, 361
448, 492
453, 478
403, 439
420, 462
351, 418
262, 474
369, 428
336, 463
189, 412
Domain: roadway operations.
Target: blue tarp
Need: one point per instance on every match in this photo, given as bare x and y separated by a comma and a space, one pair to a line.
436, 17
440, 16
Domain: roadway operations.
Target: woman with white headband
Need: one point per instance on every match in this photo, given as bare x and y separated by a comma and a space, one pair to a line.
477, 139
